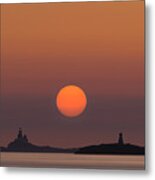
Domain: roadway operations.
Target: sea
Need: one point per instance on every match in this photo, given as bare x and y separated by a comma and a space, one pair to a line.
68, 160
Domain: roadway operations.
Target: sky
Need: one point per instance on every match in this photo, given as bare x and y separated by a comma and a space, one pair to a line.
98, 46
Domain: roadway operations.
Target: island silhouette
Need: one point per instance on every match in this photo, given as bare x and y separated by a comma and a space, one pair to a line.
22, 144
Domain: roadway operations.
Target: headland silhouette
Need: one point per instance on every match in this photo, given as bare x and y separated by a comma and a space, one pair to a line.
22, 144
119, 148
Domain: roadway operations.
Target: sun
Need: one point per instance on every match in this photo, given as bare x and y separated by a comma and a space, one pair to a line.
71, 101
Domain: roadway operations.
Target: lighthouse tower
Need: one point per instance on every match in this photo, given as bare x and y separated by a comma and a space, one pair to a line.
20, 135
120, 139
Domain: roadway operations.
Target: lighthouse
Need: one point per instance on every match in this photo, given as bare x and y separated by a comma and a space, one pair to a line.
120, 139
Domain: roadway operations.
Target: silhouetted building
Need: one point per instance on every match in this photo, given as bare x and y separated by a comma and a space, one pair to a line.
120, 139
19, 141
25, 138
22, 144
20, 136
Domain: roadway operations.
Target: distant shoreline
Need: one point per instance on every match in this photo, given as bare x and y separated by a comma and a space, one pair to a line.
22, 144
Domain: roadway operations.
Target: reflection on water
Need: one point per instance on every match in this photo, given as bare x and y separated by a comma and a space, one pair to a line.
72, 160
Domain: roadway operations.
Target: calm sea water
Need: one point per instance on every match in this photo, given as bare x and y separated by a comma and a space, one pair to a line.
72, 160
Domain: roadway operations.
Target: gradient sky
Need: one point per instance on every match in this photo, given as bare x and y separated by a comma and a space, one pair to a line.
98, 46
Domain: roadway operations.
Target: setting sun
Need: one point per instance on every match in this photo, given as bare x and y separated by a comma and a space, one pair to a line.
71, 101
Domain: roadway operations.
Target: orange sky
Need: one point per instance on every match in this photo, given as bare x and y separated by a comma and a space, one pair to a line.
98, 46
67, 42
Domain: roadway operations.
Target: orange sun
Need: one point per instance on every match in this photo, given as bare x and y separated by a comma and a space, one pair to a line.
71, 101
